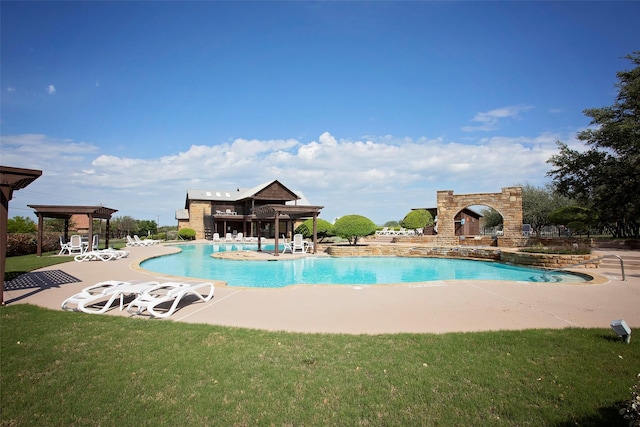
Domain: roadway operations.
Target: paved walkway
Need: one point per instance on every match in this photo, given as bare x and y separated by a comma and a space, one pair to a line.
437, 307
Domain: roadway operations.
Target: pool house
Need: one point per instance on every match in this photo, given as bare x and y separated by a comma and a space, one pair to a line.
267, 210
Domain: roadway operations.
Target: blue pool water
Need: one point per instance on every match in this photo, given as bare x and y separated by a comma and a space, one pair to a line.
195, 261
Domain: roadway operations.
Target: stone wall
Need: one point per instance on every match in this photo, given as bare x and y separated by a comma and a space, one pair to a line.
197, 211
519, 258
548, 260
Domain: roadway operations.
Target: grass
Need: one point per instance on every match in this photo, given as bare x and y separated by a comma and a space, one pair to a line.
61, 368
17, 265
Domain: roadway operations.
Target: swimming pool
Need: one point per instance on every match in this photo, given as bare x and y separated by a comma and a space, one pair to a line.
195, 261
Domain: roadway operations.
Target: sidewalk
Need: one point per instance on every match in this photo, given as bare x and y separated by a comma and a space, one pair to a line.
436, 307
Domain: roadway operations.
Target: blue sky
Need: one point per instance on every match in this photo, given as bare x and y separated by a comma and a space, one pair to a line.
366, 107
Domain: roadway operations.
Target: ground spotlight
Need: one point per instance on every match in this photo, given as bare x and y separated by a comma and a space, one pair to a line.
621, 328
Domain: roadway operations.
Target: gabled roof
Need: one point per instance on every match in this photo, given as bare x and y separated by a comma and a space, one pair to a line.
239, 193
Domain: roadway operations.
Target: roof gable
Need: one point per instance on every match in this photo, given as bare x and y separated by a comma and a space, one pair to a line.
273, 190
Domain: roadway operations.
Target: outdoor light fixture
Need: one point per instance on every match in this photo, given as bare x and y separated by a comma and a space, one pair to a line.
621, 328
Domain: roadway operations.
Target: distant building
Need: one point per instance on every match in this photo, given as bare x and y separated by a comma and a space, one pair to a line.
467, 222
232, 211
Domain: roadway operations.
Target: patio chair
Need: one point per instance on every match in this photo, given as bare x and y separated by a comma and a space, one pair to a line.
75, 244
287, 245
239, 237
94, 242
216, 237
64, 246
228, 237
298, 244
163, 299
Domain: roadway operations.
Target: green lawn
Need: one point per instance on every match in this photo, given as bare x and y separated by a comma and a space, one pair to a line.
17, 265
60, 368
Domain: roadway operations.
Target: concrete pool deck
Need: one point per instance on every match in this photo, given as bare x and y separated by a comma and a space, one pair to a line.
429, 307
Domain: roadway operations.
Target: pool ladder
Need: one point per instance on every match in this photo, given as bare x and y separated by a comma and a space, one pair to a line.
588, 261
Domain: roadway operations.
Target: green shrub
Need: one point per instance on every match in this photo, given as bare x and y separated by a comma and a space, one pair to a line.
19, 244
187, 233
323, 228
352, 227
419, 218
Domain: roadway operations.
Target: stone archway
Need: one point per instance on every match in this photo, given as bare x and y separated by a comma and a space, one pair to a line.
508, 203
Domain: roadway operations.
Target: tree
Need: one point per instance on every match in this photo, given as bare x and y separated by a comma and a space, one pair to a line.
538, 203
323, 228
606, 177
19, 224
573, 217
146, 227
418, 218
352, 227
491, 218
123, 225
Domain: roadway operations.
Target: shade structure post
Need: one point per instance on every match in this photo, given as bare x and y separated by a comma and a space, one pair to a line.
4, 218
11, 179
276, 252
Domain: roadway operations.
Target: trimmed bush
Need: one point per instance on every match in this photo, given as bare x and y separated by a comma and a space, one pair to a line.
323, 228
352, 227
187, 233
419, 218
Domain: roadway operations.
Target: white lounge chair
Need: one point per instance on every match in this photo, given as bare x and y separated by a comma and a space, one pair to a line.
119, 253
162, 300
146, 242
64, 246
95, 256
75, 245
382, 232
239, 237
101, 255
106, 293
228, 237
298, 244
216, 237
131, 242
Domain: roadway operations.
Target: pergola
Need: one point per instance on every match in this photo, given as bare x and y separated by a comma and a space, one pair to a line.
10, 179
293, 212
65, 212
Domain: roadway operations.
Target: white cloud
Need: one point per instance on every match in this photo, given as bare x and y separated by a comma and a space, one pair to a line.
51, 89
382, 178
490, 120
